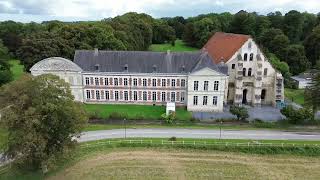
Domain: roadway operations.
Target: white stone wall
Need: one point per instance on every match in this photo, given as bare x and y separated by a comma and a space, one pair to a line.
73, 78
210, 76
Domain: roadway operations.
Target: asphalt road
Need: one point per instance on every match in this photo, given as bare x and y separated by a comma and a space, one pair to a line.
197, 133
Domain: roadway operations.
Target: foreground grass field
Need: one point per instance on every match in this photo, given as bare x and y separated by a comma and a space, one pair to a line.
179, 46
295, 95
138, 112
152, 163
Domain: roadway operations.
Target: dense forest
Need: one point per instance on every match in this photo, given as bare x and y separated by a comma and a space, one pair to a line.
289, 40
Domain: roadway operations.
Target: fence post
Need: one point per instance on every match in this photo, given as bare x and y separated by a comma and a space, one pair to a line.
141, 141
109, 141
205, 143
282, 144
151, 141
171, 142
248, 144
194, 143
130, 141
162, 141
183, 142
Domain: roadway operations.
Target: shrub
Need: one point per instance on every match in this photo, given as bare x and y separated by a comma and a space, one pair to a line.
240, 112
297, 116
169, 119
173, 138
117, 116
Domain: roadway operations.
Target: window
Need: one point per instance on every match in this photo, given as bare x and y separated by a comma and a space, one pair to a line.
154, 96
251, 57
205, 100
183, 83
173, 96
182, 96
215, 100
107, 95
88, 94
163, 83
144, 95
87, 81
126, 98
249, 72
116, 95
205, 85
144, 82
173, 82
233, 66
195, 85
249, 45
116, 82
135, 95
265, 72
244, 70
98, 95
216, 86
96, 80
154, 82
106, 81
163, 96
125, 81
245, 57
135, 82
195, 100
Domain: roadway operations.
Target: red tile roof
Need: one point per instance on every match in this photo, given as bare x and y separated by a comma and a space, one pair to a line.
222, 46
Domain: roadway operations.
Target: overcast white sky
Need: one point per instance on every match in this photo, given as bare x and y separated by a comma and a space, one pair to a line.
75, 10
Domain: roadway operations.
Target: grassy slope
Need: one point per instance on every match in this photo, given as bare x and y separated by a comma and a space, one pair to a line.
295, 95
134, 111
16, 69
180, 46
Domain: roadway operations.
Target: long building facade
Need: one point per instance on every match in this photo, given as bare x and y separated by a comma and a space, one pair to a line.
148, 78
230, 69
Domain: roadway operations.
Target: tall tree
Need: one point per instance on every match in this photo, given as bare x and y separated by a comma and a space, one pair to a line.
162, 32
204, 29
243, 23
312, 93
276, 19
312, 45
293, 25
5, 73
296, 59
41, 118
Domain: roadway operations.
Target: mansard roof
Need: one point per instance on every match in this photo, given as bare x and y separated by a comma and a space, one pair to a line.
55, 64
222, 46
144, 61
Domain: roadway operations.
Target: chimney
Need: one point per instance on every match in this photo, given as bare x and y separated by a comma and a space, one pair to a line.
96, 51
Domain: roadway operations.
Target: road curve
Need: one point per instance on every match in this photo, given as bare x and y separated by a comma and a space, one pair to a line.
199, 133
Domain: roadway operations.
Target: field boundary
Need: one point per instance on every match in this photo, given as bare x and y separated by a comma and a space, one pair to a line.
165, 142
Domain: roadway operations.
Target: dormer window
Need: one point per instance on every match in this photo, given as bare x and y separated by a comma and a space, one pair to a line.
183, 68
154, 68
125, 67
97, 67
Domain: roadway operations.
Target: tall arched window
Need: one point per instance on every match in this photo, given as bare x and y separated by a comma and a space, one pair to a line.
244, 71
245, 57
251, 57
249, 72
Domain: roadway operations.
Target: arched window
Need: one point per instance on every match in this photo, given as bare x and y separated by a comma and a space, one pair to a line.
251, 57
249, 72
245, 57
244, 71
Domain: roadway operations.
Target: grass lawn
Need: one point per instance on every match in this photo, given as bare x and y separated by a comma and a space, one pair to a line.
175, 163
138, 112
180, 46
295, 95
16, 68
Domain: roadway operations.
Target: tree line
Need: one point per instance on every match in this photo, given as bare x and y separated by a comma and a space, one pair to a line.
289, 40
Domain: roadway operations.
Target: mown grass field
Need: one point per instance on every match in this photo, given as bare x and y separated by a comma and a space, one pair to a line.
179, 46
157, 163
295, 95
16, 68
137, 112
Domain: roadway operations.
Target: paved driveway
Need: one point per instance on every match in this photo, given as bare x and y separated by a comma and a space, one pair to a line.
196, 133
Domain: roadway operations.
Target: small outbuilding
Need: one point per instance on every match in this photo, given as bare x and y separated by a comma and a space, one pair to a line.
171, 107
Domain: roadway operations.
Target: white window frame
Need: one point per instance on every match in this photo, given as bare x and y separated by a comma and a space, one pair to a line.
215, 100
183, 83
205, 101
125, 81
116, 95
196, 85
195, 100
87, 81
206, 85
216, 86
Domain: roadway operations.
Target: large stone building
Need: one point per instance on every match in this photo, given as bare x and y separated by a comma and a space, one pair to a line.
252, 79
135, 77
229, 69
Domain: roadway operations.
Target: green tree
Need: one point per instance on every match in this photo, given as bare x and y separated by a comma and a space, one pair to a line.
276, 19
243, 23
5, 73
293, 25
41, 118
312, 45
312, 94
296, 59
279, 65
189, 35
204, 29
297, 116
240, 112
262, 24
162, 32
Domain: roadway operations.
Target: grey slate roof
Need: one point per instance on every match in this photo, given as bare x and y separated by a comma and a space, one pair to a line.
145, 61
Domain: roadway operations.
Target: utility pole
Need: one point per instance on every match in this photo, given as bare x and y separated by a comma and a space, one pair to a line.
220, 128
125, 128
